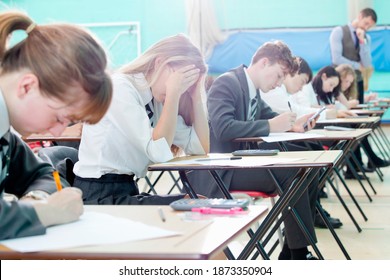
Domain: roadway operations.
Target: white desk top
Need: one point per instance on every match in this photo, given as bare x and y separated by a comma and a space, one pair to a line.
199, 239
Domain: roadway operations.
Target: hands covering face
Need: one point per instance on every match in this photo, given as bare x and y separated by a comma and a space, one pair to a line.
181, 79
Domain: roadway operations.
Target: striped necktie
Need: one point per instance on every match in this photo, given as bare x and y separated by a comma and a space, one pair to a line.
149, 112
253, 108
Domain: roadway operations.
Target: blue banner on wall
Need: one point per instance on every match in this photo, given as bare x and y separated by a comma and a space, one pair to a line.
312, 44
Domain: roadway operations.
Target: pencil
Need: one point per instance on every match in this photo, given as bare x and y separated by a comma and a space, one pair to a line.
209, 159
161, 213
57, 180
289, 105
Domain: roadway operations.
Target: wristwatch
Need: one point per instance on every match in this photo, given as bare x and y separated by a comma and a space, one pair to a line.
36, 195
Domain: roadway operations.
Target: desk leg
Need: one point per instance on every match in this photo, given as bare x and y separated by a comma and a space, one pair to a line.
337, 171
354, 172
186, 184
332, 231
276, 210
221, 185
344, 205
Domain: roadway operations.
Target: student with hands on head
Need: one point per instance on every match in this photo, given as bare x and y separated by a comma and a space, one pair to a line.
54, 76
156, 113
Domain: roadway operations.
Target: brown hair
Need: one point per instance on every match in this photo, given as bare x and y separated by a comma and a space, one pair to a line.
277, 52
60, 55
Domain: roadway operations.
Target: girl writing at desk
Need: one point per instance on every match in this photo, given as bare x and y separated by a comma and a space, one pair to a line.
52, 77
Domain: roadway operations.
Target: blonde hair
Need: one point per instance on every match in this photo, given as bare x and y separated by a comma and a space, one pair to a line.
176, 50
60, 55
345, 70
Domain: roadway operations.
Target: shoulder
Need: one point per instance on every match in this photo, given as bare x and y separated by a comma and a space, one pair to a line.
121, 80
338, 30
230, 78
124, 87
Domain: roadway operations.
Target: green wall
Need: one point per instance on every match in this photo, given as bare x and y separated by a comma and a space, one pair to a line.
161, 18
280, 13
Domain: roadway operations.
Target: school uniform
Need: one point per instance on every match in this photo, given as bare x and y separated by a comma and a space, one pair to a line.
120, 147
228, 103
20, 173
279, 99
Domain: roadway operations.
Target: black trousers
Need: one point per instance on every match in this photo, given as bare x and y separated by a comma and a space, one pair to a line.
118, 189
260, 180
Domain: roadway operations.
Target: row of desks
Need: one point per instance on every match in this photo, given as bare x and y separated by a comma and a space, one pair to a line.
204, 241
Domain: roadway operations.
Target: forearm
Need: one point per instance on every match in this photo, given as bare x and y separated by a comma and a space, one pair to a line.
166, 125
365, 55
201, 125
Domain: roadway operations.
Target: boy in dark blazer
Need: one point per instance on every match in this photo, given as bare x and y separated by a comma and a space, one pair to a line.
236, 110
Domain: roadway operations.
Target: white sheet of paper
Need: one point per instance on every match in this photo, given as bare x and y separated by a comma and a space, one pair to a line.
223, 160
92, 229
288, 136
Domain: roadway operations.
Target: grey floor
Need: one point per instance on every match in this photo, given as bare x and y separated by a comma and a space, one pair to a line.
372, 243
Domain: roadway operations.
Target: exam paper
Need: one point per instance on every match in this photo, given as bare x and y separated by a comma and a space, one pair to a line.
91, 229
289, 136
224, 160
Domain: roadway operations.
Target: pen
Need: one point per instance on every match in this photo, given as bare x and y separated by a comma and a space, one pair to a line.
161, 213
289, 105
57, 180
208, 159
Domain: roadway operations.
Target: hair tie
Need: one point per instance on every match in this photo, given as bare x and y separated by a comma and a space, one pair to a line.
31, 27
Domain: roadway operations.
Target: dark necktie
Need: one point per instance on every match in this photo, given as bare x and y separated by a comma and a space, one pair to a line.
4, 157
149, 112
356, 40
253, 108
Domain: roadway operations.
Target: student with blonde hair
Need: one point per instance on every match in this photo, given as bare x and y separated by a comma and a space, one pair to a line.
54, 76
348, 90
347, 87
156, 112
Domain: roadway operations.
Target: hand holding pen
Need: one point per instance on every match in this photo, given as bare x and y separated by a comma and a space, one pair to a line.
63, 206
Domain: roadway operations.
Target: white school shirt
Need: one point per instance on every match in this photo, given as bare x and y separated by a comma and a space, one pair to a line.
121, 143
308, 98
279, 98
